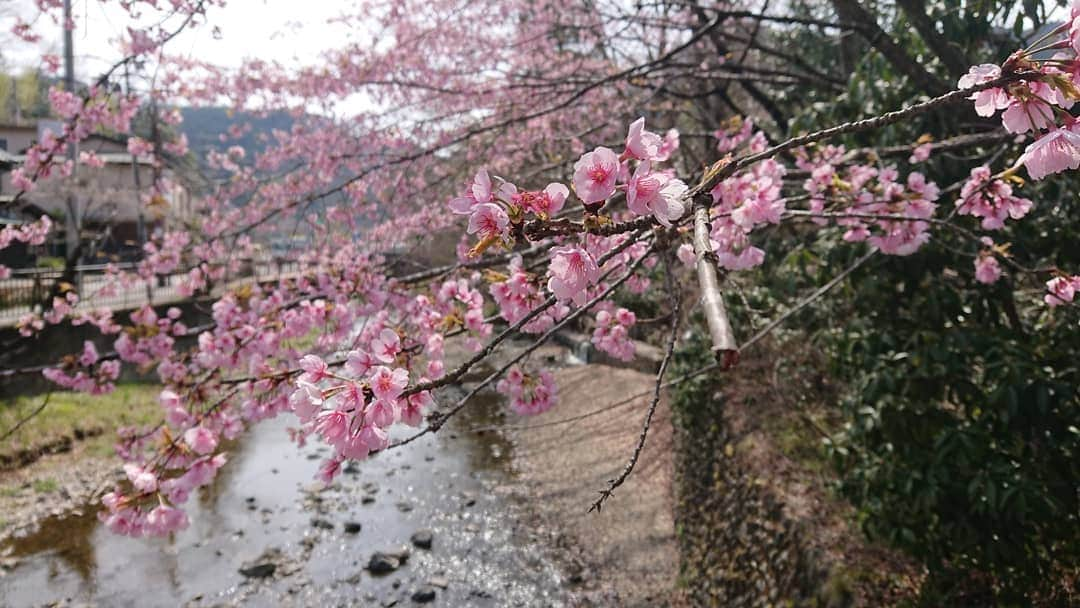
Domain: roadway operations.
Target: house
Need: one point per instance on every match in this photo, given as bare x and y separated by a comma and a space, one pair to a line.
113, 207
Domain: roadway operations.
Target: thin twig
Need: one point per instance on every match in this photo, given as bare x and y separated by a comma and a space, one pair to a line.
28, 418
438, 419
676, 302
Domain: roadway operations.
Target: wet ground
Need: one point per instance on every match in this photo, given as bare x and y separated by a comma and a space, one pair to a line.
265, 513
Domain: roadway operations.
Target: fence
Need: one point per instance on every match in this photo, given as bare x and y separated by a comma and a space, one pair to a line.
26, 289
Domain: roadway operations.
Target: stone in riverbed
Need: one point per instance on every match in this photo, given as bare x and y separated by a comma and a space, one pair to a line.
352, 527
439, 581
424, 595
401, 552
422, 539
382, 564
387, 560
263, 566
322, 524
262, 570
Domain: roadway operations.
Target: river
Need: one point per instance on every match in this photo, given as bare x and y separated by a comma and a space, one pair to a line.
266, 509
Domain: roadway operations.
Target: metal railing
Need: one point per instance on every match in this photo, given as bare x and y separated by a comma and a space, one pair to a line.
26, 289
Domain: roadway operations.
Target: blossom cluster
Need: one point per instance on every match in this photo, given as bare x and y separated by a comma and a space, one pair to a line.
32, 233
530, 394
612, 333
88, 372
874, 204
1038, 102
518, 293
990, 198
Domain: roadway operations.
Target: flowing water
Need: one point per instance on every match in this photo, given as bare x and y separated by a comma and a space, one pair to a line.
265, 508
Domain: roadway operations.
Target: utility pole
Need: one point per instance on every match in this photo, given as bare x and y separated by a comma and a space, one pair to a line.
72, 220
140, 226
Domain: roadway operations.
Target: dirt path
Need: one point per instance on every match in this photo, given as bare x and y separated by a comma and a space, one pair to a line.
626, 554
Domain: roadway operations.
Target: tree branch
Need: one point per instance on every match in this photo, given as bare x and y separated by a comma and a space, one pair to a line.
676, 302
724, 346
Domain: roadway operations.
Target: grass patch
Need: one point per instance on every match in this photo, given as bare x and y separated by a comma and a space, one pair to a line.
794, 436
46, 485
71, 414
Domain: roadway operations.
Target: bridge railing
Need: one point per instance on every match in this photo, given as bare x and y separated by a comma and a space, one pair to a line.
26, 289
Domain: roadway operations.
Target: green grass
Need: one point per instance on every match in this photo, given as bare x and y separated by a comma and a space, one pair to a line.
68, 413
46, 485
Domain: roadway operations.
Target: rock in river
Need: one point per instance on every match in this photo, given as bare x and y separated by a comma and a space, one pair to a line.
422, 539
424, 595
387, 560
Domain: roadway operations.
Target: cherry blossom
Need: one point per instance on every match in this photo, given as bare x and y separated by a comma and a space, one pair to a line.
595, 175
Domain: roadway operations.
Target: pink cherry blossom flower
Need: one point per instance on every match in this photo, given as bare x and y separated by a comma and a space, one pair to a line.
686, 255
545, 203
1061, 290
668, 147
89, 354
381, 413
315, 369
595, 174
359, 362
1054, 152
164, 519
141, 479
1029, 110
386, 346
488, 221
987, 269
987, 101
642, 144
921, 153
478, 192
306, 400
412, 413
201, 440
655, 194
572, 270
386, 384
328, 470
333, 425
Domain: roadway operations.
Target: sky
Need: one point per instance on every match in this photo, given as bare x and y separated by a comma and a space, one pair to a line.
281, 30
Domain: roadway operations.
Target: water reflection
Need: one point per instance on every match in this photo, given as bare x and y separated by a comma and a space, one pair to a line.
68, 539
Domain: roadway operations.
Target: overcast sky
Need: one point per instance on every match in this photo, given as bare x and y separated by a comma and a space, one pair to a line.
282, 30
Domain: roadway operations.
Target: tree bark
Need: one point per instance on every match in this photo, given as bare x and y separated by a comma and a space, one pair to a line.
950, 55
852, 12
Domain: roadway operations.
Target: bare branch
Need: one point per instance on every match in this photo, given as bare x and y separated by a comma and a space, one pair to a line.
676, 303
27, 418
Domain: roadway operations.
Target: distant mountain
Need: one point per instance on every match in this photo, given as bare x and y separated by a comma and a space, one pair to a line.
203, 126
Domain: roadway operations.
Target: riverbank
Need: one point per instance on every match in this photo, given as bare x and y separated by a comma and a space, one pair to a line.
758, 523
62, 457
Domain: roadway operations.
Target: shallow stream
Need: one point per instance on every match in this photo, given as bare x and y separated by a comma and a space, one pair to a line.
265, 508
